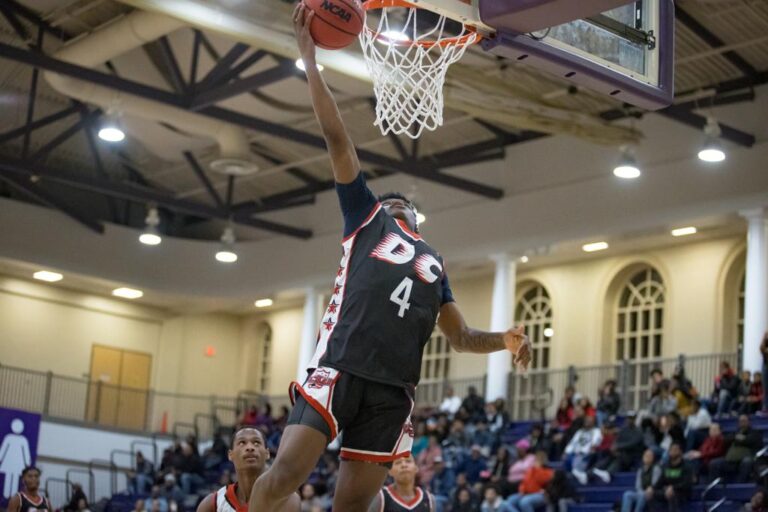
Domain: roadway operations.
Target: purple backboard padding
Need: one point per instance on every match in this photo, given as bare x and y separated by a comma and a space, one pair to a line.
593, 75
532, 15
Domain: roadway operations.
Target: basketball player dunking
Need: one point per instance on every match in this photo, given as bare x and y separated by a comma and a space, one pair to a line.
403, 495
30, 499
389, 289
249, 454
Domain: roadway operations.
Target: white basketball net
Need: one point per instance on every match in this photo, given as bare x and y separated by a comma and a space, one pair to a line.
408, 68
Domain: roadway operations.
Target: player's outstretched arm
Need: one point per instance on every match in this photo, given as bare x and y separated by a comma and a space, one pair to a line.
344, 160
466, 339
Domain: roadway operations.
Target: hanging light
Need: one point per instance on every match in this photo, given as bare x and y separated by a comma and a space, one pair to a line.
712, 149
151, 235
627, 167
300, 64
111, 128
227, 252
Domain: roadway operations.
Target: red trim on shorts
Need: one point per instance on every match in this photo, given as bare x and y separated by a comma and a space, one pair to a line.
366, 457
318, 406
367, 220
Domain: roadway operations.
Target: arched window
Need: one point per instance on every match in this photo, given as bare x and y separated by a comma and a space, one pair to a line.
639, 326
265, 358
435, 369
534, 311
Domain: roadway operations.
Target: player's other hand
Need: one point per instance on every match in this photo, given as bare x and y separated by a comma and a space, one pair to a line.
302, 19
517, 343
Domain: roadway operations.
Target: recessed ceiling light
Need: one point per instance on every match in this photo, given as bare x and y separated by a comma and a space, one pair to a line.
712, 150
50, 277
127, 293
627, 167
524, 259
226, 256
301, 66
595, 246
150, 239
394, 36
548, 332
690, 230
711, 154
111, 133
263, 303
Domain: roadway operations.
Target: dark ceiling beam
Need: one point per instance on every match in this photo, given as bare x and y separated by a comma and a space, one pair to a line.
33, 17
61, 138
297, 173
485, 146
200, 173
719, 100
242, 67
29, 187
195, 63
222, 66
34, 125
172, 65
139, 194
7, 11
714, 41
280, 72
94, 147
252, 207
694, 120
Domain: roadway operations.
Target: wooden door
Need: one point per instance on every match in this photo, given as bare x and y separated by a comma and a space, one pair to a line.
134, 389
119, 387
105, 381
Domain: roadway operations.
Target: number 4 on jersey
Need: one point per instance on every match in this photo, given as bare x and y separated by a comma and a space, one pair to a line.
401, 295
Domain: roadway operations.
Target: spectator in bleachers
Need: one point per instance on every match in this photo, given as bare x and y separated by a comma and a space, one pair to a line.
764, 352
647, 477
493, 501
603, 451
494, 417
525, 461
625, 451
530, 495
451, 403
725, 391
473, 404
662, 403
216, 454
538, 440
580, 451
443, 481
282, 420
559, 492
672, 432
741, 454
82, 505
696, 426
745, 384
473, 465
587, 407
673, 489
754, 399
657, 382
426, 460
499, 467
170, 491
77, 495
139, 506
712, 448
609, 403
564, 414
683, 391
141, 477
758, 503
464, 502
461, 484
483, 436
156, 495
309, 500
420, 440
190, 468
250, 416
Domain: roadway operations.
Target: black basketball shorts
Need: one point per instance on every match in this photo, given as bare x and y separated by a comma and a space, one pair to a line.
375, 418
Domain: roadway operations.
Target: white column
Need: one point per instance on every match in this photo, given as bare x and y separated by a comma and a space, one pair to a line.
308, 331
500, 363
756, 288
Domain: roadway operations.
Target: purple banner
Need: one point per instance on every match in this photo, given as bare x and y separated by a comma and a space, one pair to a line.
19, 432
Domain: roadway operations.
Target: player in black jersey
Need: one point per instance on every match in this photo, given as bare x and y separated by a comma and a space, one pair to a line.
388, 292
249, 454
30, 499
403, 495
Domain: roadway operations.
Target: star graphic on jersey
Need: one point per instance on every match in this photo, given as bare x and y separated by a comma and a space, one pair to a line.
328, 324
332, 307
336, 289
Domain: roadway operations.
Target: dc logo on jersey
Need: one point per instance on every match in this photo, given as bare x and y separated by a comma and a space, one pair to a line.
398, 251
320, 378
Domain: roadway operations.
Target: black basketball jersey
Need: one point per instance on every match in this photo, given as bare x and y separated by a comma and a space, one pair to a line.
391, 502
384, 305
28, 504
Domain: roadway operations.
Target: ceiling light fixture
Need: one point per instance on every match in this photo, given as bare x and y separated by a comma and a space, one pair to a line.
263, 303
690, 230
49, 277
627, 168
712, 149
595, 246
524, 259
127, 293
300, 64
394, 36
151, 235
227, 252
548, 332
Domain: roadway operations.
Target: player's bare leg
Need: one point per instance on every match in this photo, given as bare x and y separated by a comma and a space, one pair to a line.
358, 484
300, 449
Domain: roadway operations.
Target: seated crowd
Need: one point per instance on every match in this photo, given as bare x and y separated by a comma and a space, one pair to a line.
468, 460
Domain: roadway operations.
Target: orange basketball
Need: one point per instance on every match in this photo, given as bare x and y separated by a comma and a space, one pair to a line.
337, 23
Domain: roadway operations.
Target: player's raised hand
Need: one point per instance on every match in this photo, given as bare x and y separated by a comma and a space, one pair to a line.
517, 343
302, 19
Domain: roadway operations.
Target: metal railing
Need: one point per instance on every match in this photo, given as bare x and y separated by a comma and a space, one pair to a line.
537, 393
100, 403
